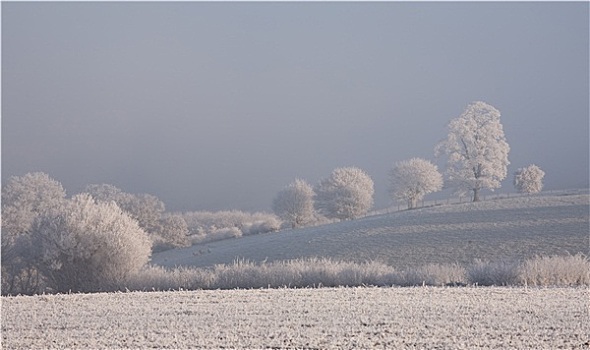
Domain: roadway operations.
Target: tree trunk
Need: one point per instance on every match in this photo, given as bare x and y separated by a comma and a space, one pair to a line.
476, 194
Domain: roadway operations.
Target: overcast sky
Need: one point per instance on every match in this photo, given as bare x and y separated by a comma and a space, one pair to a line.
220, 105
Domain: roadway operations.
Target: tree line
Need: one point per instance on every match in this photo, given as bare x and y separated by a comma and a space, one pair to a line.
100, 237
477, 158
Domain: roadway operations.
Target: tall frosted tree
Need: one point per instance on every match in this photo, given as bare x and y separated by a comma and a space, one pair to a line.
346, 194
412, 179
294, 204
477, 150
529, 179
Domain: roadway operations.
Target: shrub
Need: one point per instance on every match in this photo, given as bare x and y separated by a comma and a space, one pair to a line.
173, 233
205, 226
156, 278
24, 199
88, 246
568, 270
431, 275
499, 273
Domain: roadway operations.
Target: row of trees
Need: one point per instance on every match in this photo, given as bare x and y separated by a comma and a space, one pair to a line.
96, 239
477, 158
346, 194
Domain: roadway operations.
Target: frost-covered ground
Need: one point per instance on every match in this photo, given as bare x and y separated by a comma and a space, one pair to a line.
341, 318
344, 318
501, 229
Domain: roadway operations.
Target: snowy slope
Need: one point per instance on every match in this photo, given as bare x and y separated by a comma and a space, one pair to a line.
507, 229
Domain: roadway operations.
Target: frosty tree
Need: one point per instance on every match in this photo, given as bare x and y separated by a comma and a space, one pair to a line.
412, 179
149, 211
144, 208
529, 179
294, 204
24, 198
346, 194
173, 233
89, 246
477, 150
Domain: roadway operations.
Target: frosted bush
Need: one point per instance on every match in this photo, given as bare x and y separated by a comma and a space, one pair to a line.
431, 275
165, 230
324, 272
568, 270
156, 278
173, 233
24, 199
205, 226
272, 224
88, 246
499, 273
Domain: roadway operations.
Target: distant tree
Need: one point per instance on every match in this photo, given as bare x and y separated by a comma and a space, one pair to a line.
25, 198
412, 179
294, 204
148, 210
88, 246
145, 208
529, 179
477, 150
173, 233
346, 194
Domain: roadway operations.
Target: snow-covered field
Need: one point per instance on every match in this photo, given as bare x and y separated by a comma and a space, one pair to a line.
502, 229
340, 318
390, 318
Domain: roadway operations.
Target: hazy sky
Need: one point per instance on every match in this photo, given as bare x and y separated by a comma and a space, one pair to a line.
220, 105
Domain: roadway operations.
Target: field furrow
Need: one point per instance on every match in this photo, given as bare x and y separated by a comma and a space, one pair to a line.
342, 318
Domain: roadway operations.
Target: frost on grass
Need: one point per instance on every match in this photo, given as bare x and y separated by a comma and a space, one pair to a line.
328, 318
508, 229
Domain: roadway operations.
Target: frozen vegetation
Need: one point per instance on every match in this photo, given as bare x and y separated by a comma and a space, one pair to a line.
538, 243
509, 230
328, 318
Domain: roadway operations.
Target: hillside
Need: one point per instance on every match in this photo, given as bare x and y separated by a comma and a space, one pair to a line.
501, 229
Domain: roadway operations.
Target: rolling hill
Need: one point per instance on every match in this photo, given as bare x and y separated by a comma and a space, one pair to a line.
501, 229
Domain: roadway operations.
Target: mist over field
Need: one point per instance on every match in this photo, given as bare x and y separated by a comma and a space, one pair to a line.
295, 175
217, 106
